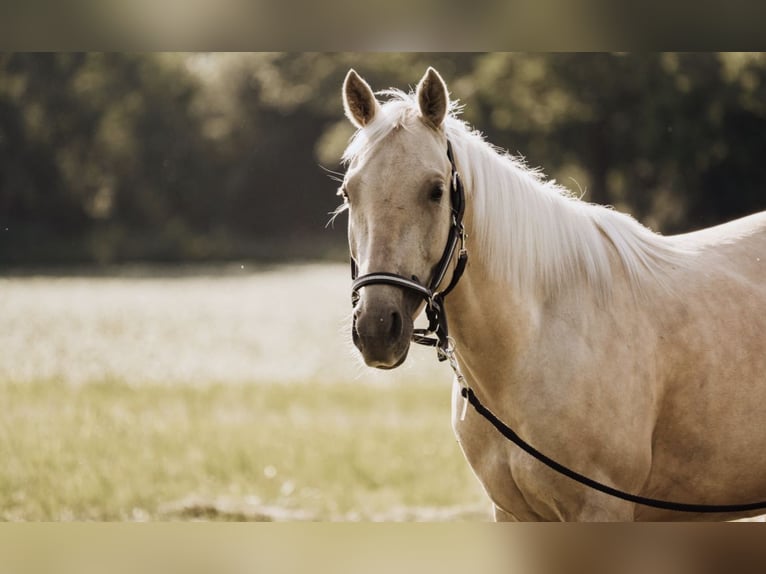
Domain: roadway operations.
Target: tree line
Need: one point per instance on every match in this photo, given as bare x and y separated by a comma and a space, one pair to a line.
197, 157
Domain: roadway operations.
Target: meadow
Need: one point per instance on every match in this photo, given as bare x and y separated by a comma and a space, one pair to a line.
219, 393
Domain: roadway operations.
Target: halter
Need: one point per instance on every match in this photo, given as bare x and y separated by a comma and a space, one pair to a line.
435, 311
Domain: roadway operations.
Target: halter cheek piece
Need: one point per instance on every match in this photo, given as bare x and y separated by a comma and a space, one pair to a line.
437, 317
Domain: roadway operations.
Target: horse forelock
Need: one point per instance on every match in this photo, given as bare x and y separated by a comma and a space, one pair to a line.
528, 230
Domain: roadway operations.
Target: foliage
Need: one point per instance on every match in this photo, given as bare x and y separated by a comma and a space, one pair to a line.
110, 157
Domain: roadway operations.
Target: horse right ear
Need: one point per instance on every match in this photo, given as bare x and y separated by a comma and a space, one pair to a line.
358, 100
433, 97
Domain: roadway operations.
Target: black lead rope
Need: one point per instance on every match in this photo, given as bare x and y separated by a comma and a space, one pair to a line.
509, 433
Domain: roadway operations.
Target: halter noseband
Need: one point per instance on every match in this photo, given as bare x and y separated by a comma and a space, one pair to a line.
437, 317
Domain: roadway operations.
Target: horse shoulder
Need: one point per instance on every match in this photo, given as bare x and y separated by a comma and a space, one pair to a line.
580, 386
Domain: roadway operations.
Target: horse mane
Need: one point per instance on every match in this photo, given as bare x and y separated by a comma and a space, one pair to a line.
530, 231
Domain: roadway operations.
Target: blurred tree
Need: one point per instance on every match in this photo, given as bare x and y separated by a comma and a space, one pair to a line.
668, 137
108, 157
280, 107
100, 143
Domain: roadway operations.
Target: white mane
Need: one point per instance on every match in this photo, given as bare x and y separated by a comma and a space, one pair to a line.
531, 232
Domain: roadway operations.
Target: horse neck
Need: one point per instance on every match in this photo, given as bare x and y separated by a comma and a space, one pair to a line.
528, 231
495, 312
538, 254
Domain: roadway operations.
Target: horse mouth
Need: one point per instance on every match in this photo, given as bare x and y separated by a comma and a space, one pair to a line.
382, 336
388, 367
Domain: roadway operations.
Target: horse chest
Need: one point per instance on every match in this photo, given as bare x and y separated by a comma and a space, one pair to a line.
506, 474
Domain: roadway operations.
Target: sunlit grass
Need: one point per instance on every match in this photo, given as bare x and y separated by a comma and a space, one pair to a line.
224, 396
114, 452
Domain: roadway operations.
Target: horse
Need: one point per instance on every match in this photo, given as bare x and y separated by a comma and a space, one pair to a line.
634, 358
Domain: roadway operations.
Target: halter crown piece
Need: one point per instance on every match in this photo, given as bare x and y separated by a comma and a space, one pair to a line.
437, 316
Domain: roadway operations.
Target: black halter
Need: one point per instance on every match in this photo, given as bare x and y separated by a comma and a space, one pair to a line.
437, 317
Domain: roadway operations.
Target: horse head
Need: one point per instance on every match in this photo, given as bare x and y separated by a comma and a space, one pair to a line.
397, 191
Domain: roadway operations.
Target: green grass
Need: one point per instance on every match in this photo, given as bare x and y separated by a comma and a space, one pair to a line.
231, 393
117, 452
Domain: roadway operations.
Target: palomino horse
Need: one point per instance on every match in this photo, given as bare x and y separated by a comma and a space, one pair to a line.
635, 359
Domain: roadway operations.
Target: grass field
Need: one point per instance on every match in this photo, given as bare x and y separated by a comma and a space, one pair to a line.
227, 393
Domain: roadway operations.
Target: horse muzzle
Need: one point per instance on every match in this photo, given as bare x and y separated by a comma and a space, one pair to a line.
382, 330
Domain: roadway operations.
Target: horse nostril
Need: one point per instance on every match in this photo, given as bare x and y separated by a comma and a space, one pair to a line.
395, 329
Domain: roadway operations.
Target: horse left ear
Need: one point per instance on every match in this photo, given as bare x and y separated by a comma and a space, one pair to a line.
433, 97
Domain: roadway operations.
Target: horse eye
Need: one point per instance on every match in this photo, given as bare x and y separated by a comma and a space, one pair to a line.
436, 192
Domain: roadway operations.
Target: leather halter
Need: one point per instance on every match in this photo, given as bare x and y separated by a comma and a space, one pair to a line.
437, 317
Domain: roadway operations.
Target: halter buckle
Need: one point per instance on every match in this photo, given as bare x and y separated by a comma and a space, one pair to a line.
448, 352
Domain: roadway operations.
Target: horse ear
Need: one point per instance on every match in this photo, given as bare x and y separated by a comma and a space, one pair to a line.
433, 97
358, 100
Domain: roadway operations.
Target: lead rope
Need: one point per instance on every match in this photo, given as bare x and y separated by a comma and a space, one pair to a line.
445, 346
508, 432
448, 353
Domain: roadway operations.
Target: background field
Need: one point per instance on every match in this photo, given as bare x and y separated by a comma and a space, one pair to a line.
197, 387
217, 393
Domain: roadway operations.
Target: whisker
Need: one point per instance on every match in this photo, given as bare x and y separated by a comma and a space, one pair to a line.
335, 213
332, 174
